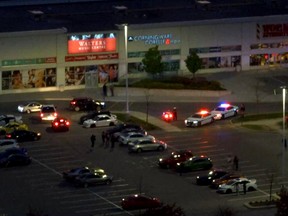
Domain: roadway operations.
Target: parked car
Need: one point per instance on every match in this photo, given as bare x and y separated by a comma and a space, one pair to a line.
5, 119
91, 179
224, 179
71, 174
8, 143
143, 144
15, 160
48, 112
60, 124
238, 185
29, 107
124, 128
224, 111
125, 138
86, 104
195, 163
11, 126
92, 115
23, 135
13, 150
200, 118
103, 120
175, 157
137, 201
210, 176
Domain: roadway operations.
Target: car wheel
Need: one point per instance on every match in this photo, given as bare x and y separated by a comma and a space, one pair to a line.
108, 182
111, 124
222, 116
139, 150
77, 109
212, 120
35, 138
28, 111
251, 189
160, 148
235, 113
199, 124
93, 126
229, 191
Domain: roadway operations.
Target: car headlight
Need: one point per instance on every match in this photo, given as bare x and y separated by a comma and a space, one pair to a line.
195, 122
178, 164
185, 121
160, 160
102, 103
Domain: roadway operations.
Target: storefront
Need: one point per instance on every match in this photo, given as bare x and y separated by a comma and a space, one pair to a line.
52, 59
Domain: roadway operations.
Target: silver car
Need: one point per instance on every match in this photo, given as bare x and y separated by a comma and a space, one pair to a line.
125, 138
29, 107
146, 145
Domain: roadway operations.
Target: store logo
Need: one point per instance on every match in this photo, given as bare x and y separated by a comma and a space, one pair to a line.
157, 39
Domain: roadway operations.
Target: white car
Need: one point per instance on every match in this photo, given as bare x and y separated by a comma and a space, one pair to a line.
29, 107
101, 121
143, 144
200, 118
224, 111
5, 119
125, 138
238, 184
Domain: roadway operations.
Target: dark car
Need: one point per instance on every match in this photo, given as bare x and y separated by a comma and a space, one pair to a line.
72, 174
60, 124
86, 104
91, 179
23, 135
92, 115
210, 176
174, 158
224, 179
194, 163
15, 160
11, 151
137, 201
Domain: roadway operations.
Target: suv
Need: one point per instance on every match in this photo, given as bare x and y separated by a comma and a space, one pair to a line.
48, 112
86, 104
92, 115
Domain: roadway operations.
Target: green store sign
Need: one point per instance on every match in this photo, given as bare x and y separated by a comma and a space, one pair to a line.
29, 61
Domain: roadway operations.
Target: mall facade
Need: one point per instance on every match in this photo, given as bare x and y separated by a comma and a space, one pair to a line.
55, 59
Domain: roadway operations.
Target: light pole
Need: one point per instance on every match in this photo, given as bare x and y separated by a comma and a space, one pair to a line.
283, 132
126, 57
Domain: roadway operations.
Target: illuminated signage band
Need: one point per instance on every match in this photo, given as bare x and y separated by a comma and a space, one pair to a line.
157, 39
91, 57
47, 60
90, 43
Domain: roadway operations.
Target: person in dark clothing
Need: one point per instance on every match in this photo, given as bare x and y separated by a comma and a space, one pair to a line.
236, 163
175, 113
242, 110
244, 187
111, 87
107, 139
104, 90
93, 139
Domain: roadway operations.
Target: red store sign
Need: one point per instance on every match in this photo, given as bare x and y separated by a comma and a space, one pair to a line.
91, 57
274, 30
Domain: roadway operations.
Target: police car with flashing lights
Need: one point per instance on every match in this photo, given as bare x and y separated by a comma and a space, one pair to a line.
224, 111
200, 118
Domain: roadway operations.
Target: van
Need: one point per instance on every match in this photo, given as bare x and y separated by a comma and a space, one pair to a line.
8, 143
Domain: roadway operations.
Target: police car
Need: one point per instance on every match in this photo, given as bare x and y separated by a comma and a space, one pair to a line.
200, 118
224, 111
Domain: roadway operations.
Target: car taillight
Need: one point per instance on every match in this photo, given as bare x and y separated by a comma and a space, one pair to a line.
55, 114
8, 136
56, 124
67, 123
73, 102
41, 114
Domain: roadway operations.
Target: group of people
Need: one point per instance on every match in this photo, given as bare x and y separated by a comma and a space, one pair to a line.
107, 139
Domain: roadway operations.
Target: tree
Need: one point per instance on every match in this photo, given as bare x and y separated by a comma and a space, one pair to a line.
153, 61
193, 63
282, 204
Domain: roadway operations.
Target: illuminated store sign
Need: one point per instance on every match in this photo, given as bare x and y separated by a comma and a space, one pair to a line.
91, 57
272, 30
90, 43
29, 61
156, 39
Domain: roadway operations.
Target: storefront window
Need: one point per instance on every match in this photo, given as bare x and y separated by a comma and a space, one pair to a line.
33, 78
216, 49
221, 62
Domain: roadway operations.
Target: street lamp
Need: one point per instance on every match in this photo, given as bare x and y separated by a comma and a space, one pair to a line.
284, 142
126, 57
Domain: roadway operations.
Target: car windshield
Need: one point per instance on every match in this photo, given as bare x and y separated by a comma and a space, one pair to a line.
220, 109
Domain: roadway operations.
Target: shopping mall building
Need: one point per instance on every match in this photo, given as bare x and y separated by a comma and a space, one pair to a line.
44, 60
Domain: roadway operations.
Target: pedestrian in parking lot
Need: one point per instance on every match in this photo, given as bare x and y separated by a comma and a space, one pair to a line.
244, 187
242, 110
175, 113
237, 188
103, 136
93, 139
107, 139
236, 163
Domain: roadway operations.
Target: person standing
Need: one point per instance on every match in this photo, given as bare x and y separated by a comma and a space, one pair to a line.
111, 87
236, 163
242, 110
93, 139
104, 88
175, 113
